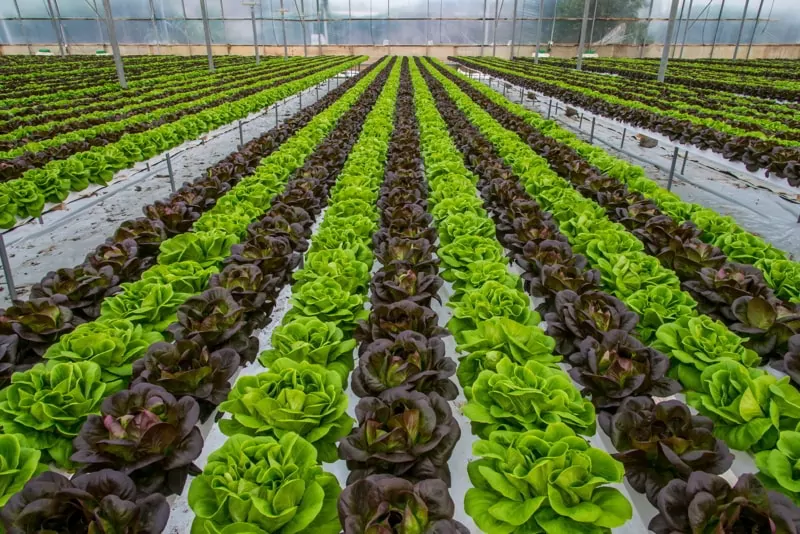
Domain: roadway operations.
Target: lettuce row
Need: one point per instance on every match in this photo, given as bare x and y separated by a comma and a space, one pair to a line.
508, 360
286, 420
158, 106
781, 273
93, 362
25, 197
750, 409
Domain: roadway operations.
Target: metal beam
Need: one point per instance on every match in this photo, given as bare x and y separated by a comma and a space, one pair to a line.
538, 31
753, 36
428, 29
155, 26
207, 32
594, 18
513, 30
319, 32
521, 30
485, 28
283, 27
741, 29
55, 24
662, 68
716, 29
61, 27
255, 33
583, 34
686, 28
494, 34
678, 30
644, 37
553, 27
303, 27
112, 36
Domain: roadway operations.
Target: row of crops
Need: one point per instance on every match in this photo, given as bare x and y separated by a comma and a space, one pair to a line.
750, 127
440, 244
62, 132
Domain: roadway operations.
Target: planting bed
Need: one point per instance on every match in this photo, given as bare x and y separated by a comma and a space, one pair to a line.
413, 306
760, 133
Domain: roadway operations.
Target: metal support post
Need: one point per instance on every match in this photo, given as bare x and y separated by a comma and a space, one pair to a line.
555, 114
12, 290
494, 34
624, 133
521, 96
241, 136
686, 28
513, 30
155, 25
504, 89
255, 33
583, 34
319, 32
594, 19
283, 28
276, 114
56, 27
741, 29
580, 122
716, 29
685, 157
301, 99
171, 174
644, 37
755, 26
112, 35
672, 169
662, 68
303, 27
485, 28
538, 32
674, 46
591, 134
553, 27
317, 92
207, 32
39, 218
550, 105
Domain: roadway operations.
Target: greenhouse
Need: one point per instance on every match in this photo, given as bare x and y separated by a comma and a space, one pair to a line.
367, 267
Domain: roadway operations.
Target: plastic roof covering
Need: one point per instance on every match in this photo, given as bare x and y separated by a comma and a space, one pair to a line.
364, 21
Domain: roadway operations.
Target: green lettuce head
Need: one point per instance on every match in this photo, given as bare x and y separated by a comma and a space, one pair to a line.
326, 300
492, 299
18, 464
206, 248
780, 467
150, 304
292, 397
114, 345
465, 250
749, 407
518, 398
694, 343
658, 305
49, 403
307, 339
257, 485
498, 338
783, 276
547, 480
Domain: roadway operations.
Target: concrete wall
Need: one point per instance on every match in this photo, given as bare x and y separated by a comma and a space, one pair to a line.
781, 51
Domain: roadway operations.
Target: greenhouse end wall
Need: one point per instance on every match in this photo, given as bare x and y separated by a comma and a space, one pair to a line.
439, 51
